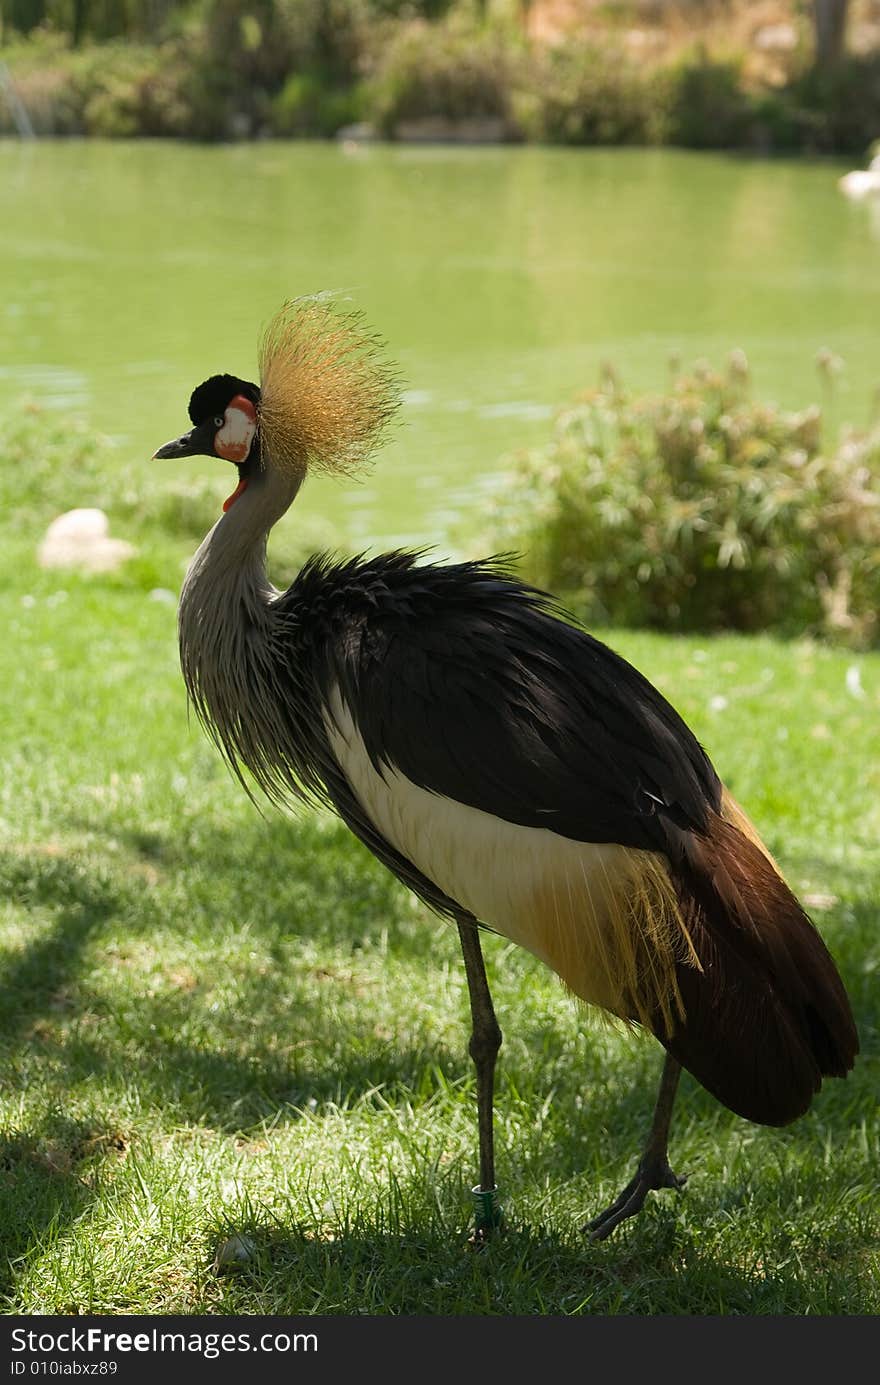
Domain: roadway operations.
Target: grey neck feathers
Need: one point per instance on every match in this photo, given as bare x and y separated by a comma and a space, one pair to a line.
226, 627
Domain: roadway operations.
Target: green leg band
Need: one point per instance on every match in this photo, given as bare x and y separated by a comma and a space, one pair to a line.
487, 1209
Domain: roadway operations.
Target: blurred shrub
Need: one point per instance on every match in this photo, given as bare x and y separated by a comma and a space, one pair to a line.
331, 44
126, 91
455, 70
826, 112
580, 94
239, 59
115, 89
412, 9
43, 73
701, 510
307, 106
280, 67
50, 98
703, 102
53, 463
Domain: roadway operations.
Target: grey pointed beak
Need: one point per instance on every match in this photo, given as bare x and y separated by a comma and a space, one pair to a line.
198, 442
186, 446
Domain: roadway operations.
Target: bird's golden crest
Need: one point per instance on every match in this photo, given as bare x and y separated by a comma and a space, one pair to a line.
328, 393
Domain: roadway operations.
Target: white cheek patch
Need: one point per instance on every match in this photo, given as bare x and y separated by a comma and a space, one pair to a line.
233, 440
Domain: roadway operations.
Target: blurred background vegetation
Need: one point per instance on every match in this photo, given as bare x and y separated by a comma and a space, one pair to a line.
697, 507
787, 75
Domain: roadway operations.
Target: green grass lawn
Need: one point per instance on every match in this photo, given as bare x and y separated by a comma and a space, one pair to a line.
215, 1022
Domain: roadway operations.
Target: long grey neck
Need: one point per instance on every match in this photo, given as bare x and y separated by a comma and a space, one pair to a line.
225, 604
233, 555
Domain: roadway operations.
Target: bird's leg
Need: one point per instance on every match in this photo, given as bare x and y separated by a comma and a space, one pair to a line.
653, 1171
484, 1045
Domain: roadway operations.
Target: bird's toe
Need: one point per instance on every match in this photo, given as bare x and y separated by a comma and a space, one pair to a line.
652, 1175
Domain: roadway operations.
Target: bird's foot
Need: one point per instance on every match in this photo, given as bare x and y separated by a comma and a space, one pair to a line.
482, 1236
652, 1174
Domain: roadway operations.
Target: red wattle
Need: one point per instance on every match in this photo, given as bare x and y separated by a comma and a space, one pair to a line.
242, 486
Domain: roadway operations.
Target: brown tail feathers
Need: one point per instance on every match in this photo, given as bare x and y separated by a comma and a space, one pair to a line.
767, 1017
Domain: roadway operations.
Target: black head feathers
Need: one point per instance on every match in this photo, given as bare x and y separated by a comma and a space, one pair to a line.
212, 396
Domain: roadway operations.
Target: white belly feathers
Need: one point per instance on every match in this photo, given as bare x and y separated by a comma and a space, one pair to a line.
604, 917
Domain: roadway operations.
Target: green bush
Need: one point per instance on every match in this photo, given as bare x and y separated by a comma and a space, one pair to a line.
584, 95
701, 510
126, 91
50, 99
43, 73
835, 111
50, 464
283, 67
306, 106
704, 103
239, 60
115, 89
453, 70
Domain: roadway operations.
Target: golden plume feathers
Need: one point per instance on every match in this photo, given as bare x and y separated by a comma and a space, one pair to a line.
734, 814
328, 392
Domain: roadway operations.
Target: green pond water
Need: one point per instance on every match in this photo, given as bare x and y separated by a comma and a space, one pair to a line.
501, 278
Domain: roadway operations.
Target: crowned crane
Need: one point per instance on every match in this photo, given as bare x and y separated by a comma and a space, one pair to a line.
509, 768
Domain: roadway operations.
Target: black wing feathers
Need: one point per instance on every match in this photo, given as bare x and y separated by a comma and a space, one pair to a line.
473, 687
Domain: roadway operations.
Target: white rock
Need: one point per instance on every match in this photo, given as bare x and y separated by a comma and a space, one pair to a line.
81, 539
234, 1253
862, 182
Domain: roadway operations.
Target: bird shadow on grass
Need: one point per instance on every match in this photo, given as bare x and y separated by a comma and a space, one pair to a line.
251, 1065
240, 1077
38, 979
49, 1176
234, 1071
405, 1256
247, 1069
303, 876
43, 1171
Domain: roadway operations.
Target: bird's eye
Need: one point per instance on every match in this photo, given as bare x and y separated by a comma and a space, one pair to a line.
219, 420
